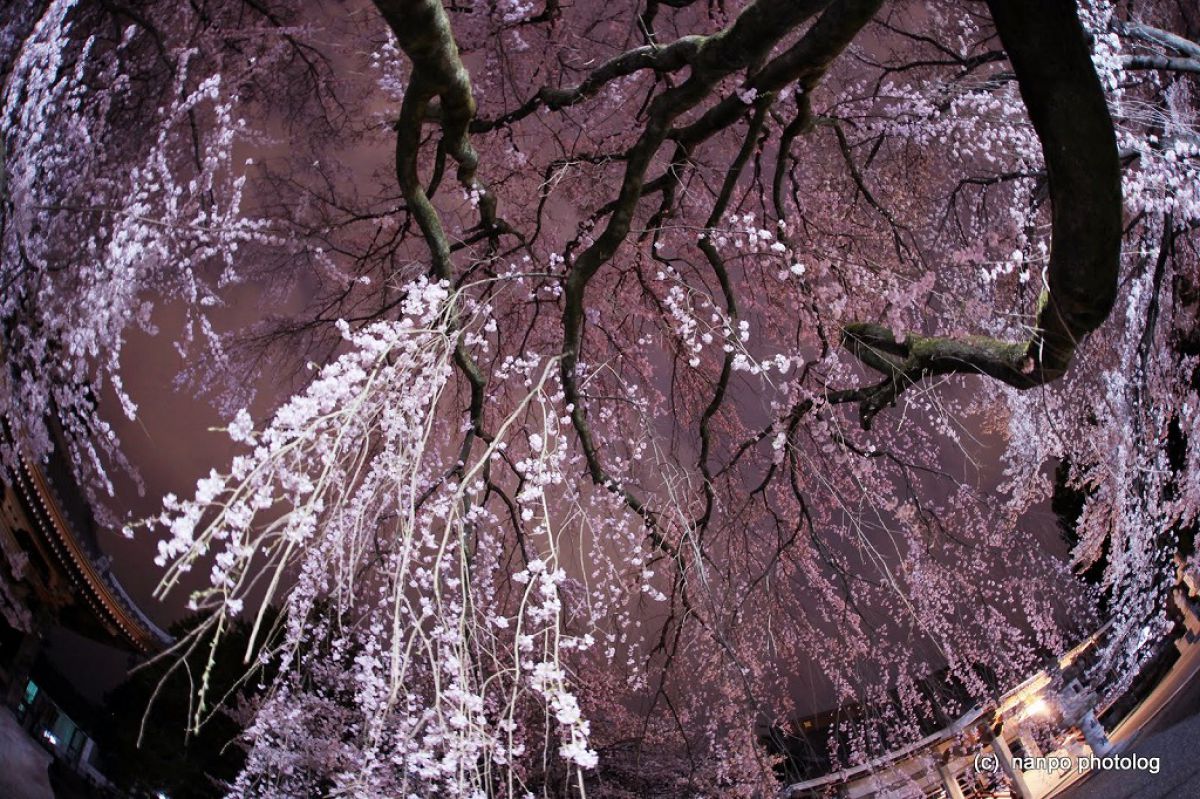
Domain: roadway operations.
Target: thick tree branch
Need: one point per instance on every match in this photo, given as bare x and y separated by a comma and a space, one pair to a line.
1152, 35
667, 58
1046, 45
423, 32
803, 64
750, 37
1167, 63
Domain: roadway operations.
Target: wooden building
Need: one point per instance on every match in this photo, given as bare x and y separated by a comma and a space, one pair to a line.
53, 571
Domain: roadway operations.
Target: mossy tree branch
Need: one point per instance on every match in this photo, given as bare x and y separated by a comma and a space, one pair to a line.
423, 32
1047, 47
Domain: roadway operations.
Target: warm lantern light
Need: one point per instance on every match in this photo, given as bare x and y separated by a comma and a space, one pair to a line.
1038, 707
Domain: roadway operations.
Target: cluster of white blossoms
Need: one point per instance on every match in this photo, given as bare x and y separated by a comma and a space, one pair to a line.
86, 250
350, 514
696, 320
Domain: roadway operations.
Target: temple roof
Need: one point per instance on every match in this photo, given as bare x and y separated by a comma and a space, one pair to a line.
57, 509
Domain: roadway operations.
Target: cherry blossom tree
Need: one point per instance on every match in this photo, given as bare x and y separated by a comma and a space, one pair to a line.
653, 363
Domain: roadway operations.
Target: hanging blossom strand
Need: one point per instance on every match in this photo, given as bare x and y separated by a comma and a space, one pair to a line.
349, 514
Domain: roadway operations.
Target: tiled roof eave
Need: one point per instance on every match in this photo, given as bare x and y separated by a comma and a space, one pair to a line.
78, 563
